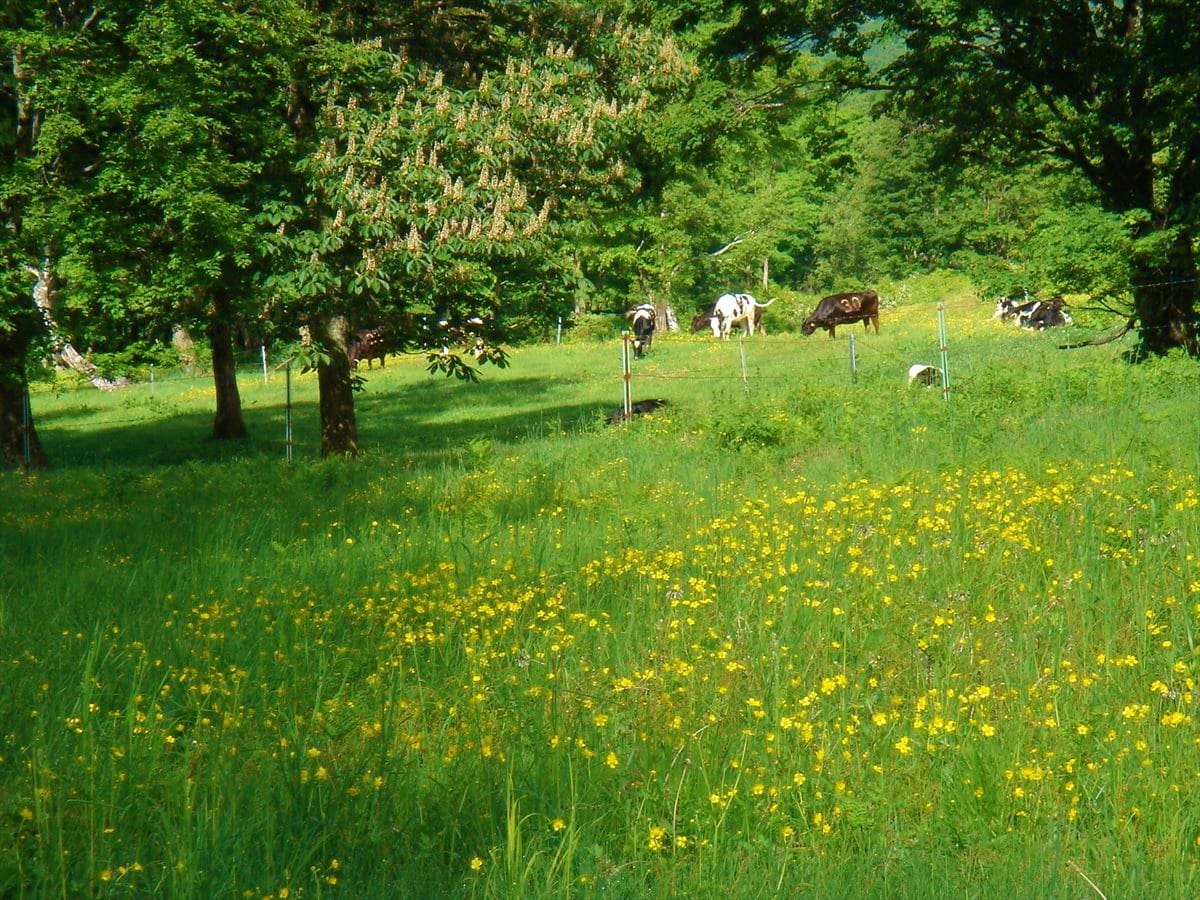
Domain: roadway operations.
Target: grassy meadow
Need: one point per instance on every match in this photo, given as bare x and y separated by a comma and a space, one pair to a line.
797, 634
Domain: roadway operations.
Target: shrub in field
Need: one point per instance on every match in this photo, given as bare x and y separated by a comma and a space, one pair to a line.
749, 426
134, 360
594, 327
932, 287
792, 310
787, 311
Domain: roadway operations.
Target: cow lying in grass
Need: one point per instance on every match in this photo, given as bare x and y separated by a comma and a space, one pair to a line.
640, 408
1045, 314
1033, 314
1010, 307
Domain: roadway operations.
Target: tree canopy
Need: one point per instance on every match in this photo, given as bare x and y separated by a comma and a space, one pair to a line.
464, 174
1107, 88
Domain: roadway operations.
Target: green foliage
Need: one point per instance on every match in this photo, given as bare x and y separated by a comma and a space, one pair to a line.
135, 360
737, 192
1081, 249
306, 356
594, 327
44, 105
737, 428
440, 195
926, 289
885, 219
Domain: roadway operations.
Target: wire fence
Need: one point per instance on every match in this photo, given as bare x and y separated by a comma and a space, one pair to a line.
749, 363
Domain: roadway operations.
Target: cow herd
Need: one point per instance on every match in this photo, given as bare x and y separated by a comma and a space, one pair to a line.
1033, 314
731, 311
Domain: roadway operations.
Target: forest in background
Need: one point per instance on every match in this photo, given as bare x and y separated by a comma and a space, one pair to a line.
463, 175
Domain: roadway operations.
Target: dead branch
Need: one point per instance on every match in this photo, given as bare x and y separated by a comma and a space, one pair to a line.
1096, 342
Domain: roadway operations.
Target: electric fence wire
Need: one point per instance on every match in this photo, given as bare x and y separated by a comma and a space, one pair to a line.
817, 364
824, 363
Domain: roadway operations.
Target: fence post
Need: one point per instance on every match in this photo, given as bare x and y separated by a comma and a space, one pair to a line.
558, 337
627, 375
941, 318
26, 422
853, 361
745, 373
152, 378
287, 414
263, 348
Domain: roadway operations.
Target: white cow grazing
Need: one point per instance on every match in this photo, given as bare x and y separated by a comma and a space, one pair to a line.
731, 309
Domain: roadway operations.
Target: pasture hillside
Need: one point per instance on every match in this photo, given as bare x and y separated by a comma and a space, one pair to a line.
797, 633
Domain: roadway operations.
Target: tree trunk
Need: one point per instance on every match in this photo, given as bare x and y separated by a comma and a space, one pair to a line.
1164, 301
64, 350
339, 431
16, 438
227, 422
181, 340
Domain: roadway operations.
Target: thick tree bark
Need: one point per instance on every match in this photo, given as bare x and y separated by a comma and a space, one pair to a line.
1164, 299
64, 351
181, 340
339, 430
227, 422
16, 437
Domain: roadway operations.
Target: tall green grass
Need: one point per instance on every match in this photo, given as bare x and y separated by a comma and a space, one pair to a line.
796, 634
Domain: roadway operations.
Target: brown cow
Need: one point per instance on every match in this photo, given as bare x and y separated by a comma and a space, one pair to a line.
369, 344
702, 322
842, 309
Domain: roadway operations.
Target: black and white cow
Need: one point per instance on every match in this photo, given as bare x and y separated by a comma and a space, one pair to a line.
643, 328
1046, 314
731, 310
1010, 307
1033, 314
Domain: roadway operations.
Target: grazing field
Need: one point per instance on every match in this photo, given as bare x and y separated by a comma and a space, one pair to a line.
796, 634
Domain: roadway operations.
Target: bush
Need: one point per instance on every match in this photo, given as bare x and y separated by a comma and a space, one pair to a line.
135, 360
740, 428
930, 287
594, 327
787, 311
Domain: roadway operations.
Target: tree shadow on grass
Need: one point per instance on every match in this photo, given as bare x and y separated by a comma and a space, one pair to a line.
423, 423
64, 414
